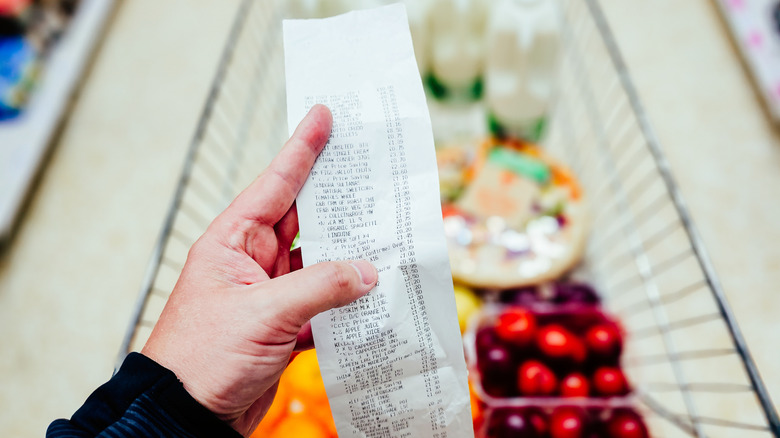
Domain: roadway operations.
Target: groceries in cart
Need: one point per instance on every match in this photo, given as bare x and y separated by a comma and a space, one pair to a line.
548, 356
517, 217
544, 355
503, 52
536, 351
549, 365
566, 421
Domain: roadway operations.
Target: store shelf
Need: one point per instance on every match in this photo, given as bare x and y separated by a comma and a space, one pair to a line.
24, 140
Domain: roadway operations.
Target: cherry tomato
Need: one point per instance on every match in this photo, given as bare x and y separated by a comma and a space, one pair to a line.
556, 342
609, 381
575, 385
534, 378
567, 422
626, 423
516, 326
604, 340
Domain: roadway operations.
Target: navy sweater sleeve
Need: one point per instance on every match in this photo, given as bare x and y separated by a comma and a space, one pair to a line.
143, 399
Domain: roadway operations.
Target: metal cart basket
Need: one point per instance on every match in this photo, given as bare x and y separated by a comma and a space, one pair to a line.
692, 372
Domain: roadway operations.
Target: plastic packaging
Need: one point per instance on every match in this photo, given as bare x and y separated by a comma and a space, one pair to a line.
555, 420
19, 69
549, 367
523, 46
545, 350
457, 48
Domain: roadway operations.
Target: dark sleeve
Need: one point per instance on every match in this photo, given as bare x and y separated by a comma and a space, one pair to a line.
143, 399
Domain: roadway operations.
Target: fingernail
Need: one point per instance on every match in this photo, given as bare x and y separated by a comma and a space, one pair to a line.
366, 270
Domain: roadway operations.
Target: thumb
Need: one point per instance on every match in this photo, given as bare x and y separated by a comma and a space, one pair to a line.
300, 295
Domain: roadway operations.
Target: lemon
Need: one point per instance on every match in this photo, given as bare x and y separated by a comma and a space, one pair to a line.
467, 303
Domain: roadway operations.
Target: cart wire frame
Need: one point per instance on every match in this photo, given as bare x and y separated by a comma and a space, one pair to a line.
696, 241
645, 255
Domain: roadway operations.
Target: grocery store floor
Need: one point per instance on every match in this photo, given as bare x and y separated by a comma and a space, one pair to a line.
70, 278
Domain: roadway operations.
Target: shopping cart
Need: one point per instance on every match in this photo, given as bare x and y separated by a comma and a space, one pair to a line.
686, 357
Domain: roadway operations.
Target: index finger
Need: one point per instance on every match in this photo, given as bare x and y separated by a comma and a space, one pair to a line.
269, 197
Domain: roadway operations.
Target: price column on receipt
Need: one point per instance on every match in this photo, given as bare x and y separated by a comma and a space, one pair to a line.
392, 361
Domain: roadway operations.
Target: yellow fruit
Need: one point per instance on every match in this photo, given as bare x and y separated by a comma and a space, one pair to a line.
467, 303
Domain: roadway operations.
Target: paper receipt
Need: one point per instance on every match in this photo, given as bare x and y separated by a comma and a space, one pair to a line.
393, 361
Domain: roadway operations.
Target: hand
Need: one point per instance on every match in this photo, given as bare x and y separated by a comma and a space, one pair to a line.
241, 306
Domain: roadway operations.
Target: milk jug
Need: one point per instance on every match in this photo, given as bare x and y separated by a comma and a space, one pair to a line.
523, 47
457, 47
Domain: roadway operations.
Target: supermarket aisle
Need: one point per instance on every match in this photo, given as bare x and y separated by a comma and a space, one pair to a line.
68, 283
70, 280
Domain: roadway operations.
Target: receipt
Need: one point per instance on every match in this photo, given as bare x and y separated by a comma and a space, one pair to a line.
392, 361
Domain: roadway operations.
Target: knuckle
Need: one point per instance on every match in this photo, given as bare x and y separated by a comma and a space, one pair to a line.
342, 276
195, 249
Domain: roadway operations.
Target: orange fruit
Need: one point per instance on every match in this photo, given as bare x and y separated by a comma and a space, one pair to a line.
304, 380
476, 408
279, 408
314, 408
477, 417
299, 426
323, 414
301, 406
317, 413
263, 429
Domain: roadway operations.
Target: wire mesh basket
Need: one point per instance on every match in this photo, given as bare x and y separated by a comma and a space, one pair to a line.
685, 354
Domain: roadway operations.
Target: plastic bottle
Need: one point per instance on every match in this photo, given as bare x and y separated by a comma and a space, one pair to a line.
457, 48
523, 47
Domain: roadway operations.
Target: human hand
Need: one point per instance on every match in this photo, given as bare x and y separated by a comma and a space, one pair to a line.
241, 305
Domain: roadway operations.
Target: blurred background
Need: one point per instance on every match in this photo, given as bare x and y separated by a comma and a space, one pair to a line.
99, 102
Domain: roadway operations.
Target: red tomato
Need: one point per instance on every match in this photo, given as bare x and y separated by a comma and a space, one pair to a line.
556, 342
567, 422
534, 378
575, 385
604, 340
517, 326
609, 381
626, 424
